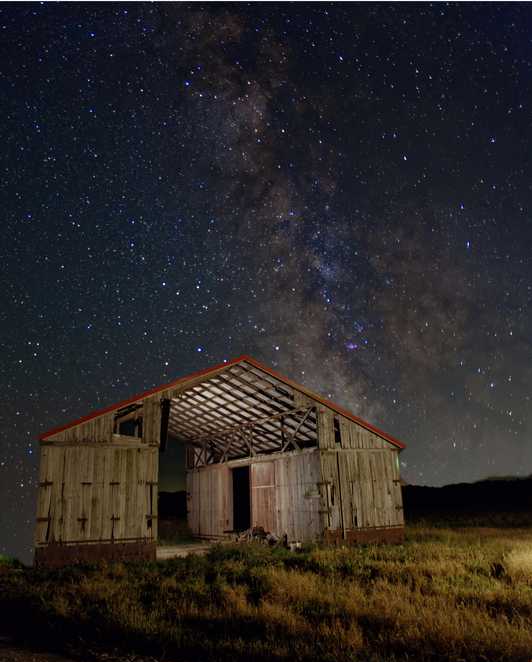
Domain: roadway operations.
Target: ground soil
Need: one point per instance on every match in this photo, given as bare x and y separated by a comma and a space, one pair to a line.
10, 652
13, 651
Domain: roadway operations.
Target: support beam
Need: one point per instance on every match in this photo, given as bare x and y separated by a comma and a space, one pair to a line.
257, 422
267, 401
292, 438
165, 419
212, 414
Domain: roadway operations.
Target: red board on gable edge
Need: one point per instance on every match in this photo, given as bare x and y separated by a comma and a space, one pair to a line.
227, 364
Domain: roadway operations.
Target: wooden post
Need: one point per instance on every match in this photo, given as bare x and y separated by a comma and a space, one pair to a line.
165, 418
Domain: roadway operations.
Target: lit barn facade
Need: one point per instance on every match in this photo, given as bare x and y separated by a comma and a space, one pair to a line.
261, 451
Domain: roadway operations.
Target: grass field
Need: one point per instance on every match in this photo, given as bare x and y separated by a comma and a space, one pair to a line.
446, 594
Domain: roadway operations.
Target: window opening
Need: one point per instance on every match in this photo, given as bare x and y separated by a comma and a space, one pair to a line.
337, 432
132, 427
128, 421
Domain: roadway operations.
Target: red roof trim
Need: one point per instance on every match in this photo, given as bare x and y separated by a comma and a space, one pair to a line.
129, 401
327, 403
207, 371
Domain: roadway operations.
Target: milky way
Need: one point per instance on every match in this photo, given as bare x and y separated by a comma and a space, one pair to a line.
342, 191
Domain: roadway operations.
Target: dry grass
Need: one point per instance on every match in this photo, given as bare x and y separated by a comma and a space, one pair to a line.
446, 594
518, 563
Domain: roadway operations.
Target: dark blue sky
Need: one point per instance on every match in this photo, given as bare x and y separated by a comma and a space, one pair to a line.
342, 191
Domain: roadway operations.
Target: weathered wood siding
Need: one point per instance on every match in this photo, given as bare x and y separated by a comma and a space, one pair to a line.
151, 423
285, 497
97, 492
325, 418
330, 491
297, 476
360, 476
360, 489
210, 500
97, 486
302, 494
355, 436
352, 435
96, 429
100, 429
263, 495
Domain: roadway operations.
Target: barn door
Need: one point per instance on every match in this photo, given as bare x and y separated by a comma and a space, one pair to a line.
263, 502
375, 494
96, 494
331, 496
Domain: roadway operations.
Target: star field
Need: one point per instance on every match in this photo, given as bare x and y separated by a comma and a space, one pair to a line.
341, 190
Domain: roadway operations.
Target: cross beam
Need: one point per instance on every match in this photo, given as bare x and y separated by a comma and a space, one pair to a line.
242, 439
252, 424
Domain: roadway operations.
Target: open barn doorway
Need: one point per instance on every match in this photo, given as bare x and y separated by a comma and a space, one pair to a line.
241, 499
172, 495
224, 420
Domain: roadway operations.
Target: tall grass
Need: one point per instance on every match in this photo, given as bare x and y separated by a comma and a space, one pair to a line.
443, 595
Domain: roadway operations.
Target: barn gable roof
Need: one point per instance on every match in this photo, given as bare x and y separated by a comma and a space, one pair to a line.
250, 366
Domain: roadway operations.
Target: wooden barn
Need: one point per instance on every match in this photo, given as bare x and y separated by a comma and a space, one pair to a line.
261, 451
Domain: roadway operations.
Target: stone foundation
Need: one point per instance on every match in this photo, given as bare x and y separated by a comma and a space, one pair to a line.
56, 555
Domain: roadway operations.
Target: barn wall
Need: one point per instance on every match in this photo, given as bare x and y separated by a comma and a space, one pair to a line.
325, 420
98, 490
297, 501
360, 491
96, 429
264, 494
96, 494
151, 423
352, 435
355, 436
100, 429
210, 500
284, 496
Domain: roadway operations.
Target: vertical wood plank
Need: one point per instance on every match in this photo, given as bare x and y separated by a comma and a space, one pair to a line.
325, 428
344, 476
152, 420
329, 471
44, 496
263, 502
58, 469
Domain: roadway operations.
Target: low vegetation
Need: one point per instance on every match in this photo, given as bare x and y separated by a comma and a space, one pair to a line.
446, 594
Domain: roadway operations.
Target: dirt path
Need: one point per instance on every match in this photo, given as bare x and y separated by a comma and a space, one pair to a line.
9, 652
178, 551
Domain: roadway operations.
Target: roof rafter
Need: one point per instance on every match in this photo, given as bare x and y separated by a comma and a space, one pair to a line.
266, 385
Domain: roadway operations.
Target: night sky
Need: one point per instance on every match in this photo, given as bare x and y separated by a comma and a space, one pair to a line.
342, 191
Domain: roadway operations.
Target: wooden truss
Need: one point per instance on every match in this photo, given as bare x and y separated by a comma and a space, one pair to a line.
240, 412
247, 439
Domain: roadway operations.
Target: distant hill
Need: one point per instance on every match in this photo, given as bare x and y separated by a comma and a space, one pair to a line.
504, 478
494, 495
498, 494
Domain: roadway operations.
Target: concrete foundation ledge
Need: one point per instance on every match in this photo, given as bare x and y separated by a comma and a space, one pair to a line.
57, 555
389, 534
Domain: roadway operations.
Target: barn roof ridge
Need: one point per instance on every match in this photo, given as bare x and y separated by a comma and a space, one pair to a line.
227, 364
